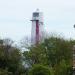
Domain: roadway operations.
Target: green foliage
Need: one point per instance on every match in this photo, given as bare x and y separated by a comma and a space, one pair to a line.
40, 70
5, 72
36, 55
54, 52
10, 60
63, 68
52, 57
56, 49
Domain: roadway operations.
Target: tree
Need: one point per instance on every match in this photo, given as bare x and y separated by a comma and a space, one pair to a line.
10, 59
36, 55
5, 72
40, 70
51, 53
63, 68
56, 49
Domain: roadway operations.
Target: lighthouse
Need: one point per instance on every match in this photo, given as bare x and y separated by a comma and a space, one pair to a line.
37, 27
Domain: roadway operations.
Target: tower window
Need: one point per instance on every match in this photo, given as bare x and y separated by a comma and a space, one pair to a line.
35, 14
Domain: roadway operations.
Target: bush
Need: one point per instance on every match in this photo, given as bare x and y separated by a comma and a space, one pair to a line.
40, 70
5, 72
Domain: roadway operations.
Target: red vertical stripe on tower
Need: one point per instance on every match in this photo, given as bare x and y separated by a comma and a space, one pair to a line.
37, 32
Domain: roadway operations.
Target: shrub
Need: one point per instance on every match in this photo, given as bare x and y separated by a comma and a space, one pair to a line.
40, 70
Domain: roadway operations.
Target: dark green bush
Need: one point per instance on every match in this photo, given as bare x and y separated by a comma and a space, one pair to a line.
39, 70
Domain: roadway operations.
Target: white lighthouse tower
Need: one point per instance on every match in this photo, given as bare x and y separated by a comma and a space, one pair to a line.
37, 27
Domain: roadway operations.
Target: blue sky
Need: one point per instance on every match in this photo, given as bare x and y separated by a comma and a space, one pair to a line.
15, 15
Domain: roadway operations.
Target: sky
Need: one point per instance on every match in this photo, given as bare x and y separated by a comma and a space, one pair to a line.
15, 16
